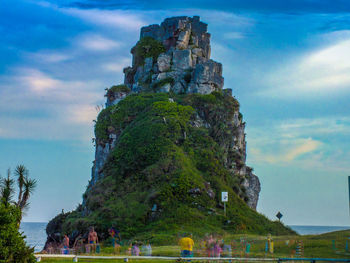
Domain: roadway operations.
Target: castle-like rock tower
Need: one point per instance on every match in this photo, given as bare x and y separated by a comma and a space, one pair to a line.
180, 64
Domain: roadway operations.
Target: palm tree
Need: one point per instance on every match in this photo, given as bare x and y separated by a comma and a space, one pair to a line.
6, 189
26, 187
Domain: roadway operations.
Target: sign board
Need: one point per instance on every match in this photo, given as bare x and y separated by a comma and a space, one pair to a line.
279, 215
224, 196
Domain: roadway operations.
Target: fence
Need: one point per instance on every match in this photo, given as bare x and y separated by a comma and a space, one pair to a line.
126, 258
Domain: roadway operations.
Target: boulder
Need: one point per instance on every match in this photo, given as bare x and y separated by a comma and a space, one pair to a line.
207, 77
163, 62
154, 31
165, 88
253, 188
183, 39
182, 59
178, 87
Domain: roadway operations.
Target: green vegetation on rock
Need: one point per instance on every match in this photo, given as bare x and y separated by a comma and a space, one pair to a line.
163, 82
165, 174
147, 47
118, 88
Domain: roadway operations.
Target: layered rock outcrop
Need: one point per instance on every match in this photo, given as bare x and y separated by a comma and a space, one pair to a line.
186, 59
175, 57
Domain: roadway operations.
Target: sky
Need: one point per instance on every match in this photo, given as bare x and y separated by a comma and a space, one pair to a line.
288, 63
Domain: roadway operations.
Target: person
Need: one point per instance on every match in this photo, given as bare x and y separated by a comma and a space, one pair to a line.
66, 244
210, 246
115, 235
186, 245
79, 245
227, 250
50, 249
135, 250
143, 249
149, 249
93, 239
217, 249
146, 249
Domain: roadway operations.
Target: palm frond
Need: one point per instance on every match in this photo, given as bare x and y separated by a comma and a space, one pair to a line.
7, 190
21, 172
29, 187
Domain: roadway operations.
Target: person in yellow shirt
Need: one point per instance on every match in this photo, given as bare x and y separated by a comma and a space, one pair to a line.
186, 244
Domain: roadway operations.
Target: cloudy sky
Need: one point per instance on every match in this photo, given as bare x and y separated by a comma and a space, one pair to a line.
288, 63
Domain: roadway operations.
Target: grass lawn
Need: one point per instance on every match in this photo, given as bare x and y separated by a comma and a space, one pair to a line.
329, 245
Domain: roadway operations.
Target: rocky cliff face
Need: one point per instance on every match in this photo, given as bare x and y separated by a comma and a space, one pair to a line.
174, 57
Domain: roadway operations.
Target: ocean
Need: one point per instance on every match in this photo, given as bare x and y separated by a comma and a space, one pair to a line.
36, 235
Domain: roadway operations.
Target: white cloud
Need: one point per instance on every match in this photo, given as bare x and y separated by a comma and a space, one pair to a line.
48, 56
306, 146
37, 81
81, 114
285, 151
301, 142
325, 126
233, 35
114, 18
123, 19
36, 105
96, 42
117, 66
321, 72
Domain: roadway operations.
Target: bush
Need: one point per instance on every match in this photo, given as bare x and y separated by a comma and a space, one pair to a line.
117, 88
161, 83
147, 47
12, 245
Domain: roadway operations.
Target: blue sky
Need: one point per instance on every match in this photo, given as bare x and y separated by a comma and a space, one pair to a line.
288, 63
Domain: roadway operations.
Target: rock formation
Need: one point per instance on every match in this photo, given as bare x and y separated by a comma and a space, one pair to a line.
168, 142
184, 67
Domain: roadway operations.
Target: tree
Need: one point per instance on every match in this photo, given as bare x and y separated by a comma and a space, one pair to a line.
7, 189
25, 185
12, 245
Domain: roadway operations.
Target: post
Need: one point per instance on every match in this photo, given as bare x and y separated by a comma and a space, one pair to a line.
224, 199
349, 192
347, 246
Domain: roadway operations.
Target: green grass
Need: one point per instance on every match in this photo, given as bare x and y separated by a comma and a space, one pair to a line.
315, 246
57, 260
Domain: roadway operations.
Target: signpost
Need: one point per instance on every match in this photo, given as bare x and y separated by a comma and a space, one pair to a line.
279, 216
224, 199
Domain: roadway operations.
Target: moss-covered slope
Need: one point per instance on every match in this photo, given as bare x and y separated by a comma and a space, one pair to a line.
166, 173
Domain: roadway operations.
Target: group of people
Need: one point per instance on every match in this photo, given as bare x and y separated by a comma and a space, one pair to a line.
213, 247
140, 249
80, 245
208, 247
135, 248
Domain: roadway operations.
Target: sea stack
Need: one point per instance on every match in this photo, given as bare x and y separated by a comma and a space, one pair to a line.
170, 140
